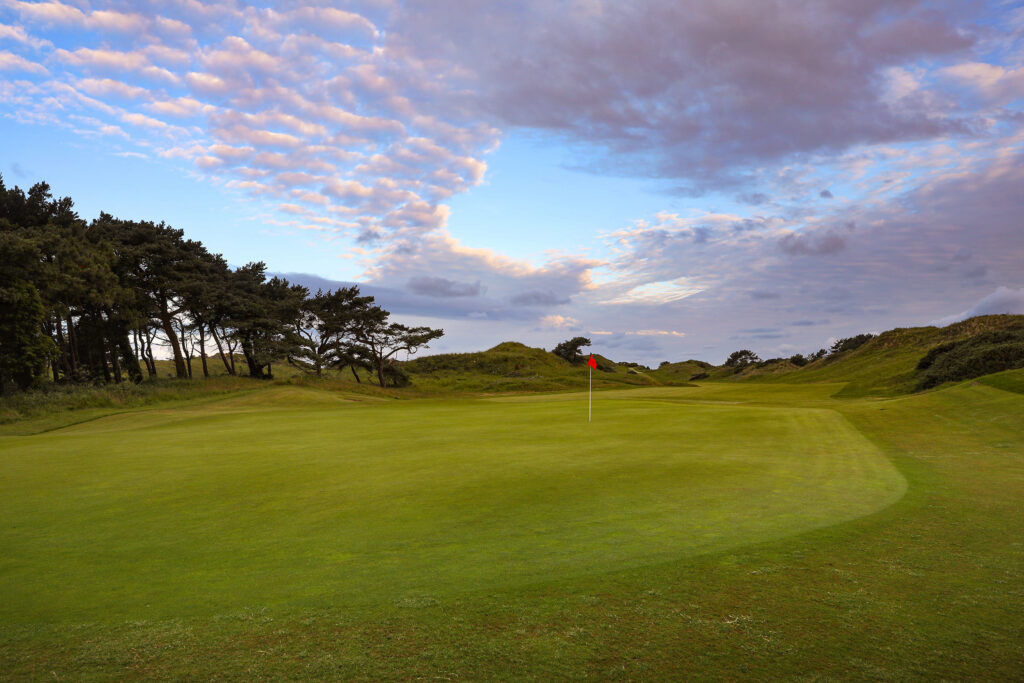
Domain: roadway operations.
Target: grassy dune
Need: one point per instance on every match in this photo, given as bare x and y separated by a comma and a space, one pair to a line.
725, 530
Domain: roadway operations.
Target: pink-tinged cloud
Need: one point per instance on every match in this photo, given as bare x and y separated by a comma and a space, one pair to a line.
329, 20
113, 61
102, 87
117, 21
181, 107
19, 35
687, 90
12, 62
178, 30
239, 134
49, 12
347, 189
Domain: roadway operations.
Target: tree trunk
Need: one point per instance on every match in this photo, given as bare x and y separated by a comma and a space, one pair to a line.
355, 374
380, 372
150, 361
73, 345
167, 322
101, 351
63, 344
220, 350
115, 362
125, 346
255, 371
202, 349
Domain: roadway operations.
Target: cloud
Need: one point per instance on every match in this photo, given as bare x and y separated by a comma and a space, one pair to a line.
102, 87
991, 81
360, 123
558, 322
797, 244
1002, 300
539, 298
20, 35
658, 333
440, 287
774, 80
12, 62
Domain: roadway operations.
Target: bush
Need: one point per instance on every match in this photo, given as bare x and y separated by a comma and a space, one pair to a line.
982, 354
570, 348
851, 343
742, 358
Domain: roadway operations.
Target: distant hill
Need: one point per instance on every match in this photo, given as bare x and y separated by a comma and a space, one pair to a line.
885, 365
511, 366
685, 370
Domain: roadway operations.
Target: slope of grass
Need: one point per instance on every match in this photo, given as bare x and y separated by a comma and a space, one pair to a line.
159, 544
506, 539
66, 404
886, 365
511, 366
683, 371
487, 495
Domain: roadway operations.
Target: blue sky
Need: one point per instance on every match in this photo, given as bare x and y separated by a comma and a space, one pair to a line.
672, 179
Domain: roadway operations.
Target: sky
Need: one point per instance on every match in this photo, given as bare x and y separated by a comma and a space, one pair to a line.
672, 179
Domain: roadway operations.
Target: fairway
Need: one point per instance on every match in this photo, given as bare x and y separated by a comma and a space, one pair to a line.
296, 498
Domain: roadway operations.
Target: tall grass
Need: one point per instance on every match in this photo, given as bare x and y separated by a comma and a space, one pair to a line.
56, 398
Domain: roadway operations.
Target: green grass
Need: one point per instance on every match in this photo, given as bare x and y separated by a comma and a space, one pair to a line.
885, 365
728, 530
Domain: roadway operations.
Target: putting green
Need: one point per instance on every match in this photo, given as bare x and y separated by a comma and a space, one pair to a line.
302, 499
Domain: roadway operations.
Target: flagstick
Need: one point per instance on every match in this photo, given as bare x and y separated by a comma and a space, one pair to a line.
590, 396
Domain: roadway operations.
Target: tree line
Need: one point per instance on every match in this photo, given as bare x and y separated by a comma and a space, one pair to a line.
88, 301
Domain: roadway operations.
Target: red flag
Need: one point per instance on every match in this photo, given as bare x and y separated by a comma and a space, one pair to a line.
592, 363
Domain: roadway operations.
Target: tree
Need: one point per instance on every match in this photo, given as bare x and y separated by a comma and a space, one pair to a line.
324, 330
570, 349
798, 360
378, 341
850, 343
159, 264
263, 316
742, 358
24, 349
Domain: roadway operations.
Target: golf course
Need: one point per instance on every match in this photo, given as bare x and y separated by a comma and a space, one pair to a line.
714, 530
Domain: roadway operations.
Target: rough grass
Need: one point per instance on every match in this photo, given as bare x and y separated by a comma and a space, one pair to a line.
56, 403
926, 588
887, 364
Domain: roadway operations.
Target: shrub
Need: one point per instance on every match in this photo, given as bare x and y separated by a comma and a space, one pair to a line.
742, 358
851, 343
982, 354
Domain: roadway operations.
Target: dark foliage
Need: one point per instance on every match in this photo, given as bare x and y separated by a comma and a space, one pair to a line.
742, 358
570, 349
87, 302
982, 354
850, 343
799, 360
